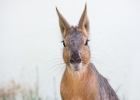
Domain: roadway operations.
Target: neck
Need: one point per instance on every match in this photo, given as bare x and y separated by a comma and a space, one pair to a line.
79, 84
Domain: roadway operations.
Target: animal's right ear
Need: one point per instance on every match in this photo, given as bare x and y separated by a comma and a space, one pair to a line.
64, 26
84, 22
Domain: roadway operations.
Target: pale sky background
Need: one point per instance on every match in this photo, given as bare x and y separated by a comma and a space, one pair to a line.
30, 37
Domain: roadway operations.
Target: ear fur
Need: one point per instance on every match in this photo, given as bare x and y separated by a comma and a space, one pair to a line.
64, 26
84, 22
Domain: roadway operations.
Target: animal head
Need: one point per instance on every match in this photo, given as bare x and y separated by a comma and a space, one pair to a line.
76, 53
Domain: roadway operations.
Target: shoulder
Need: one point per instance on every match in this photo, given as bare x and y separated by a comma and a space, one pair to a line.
101, 78
93, 68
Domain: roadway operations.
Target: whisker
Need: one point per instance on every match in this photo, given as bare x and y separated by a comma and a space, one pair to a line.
60, 71
100, 64
52, 67
53, 61
58, 67
55, 51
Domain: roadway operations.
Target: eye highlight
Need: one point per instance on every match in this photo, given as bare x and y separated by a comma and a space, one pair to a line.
63, 43
86, 42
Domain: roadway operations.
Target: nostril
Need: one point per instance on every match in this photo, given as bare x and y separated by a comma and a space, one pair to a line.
72, 60
78, 60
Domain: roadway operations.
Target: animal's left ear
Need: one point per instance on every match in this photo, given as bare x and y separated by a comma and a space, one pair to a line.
64, 25
84, 22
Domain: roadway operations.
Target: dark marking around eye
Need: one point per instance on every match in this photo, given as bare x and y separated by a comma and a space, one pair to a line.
85, 25
86, 42
64, 43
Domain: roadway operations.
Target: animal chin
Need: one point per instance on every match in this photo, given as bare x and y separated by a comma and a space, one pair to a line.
76, 67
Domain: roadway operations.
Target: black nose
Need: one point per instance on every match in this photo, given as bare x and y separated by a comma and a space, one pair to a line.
78, 60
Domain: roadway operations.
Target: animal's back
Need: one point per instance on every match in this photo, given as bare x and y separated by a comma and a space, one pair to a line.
105, 90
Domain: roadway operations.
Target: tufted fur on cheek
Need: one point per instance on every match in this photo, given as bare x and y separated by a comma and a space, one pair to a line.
85, 55
66, 56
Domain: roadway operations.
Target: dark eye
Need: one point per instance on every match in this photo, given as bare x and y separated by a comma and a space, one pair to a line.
64, 44
86, 42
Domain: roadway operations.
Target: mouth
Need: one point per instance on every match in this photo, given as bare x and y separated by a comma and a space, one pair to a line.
76, 67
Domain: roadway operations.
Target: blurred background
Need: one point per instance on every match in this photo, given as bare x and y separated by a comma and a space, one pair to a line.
31, 64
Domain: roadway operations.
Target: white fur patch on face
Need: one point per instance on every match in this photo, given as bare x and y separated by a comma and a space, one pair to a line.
76, 67
76, 71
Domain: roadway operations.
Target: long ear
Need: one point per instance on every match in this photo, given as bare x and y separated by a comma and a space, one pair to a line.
64, 26
84, 22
